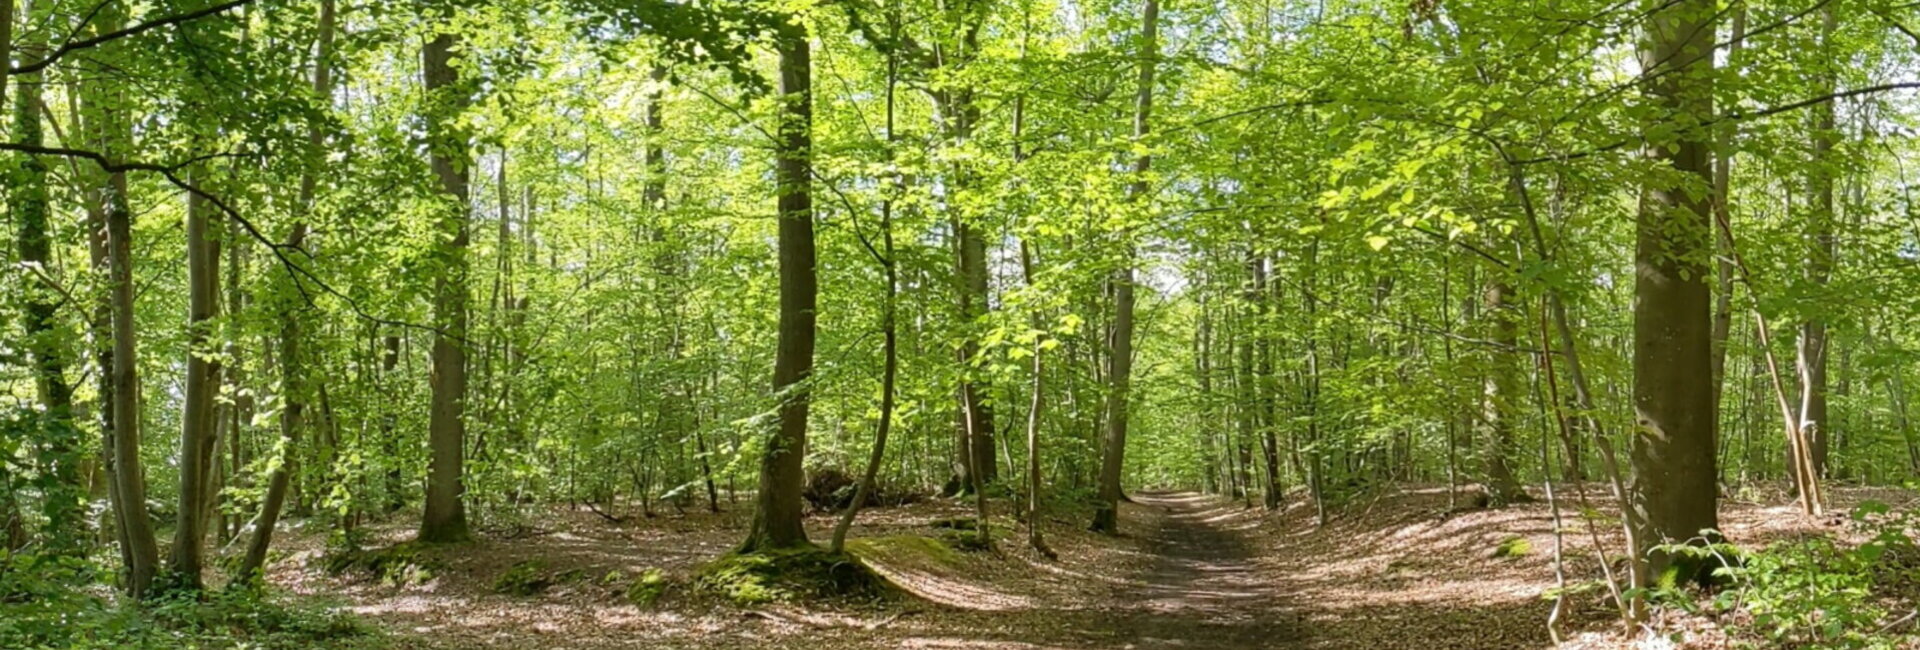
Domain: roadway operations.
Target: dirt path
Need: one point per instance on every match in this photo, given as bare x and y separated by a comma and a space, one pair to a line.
1190, 571
1203, 591
1183, 577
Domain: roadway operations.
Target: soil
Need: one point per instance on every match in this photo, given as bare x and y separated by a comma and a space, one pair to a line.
1398, 569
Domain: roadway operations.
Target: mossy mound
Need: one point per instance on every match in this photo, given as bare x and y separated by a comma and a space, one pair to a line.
524, 579
1513, 547
648, 588
971, 541
955, 523
807, 573
905, 549
397, 565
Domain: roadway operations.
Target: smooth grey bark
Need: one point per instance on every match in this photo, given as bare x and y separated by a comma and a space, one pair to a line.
1673, 449
445, 518
1106, 515
777, 506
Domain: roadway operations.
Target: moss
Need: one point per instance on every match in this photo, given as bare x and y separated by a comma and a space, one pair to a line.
792, 574
648, 588
397, 565
904, 548
972, 541
524, 579
1513, 547
955, 523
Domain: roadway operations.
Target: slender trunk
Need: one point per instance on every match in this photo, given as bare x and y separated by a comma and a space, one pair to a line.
202, 383
445, 517
1814, 347
129, 480
44, 344
1260, 378
1035, 404
292, 395
777, 506
1723, 213
1584, 403
1106, 517
889, 328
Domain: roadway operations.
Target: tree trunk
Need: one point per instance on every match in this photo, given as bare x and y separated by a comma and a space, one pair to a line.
1501, 393
44, 342
198, 413
292, 395
1723, 214
777, 506
1814, 347
445, 517
1673, 449
129, 482
1106, 516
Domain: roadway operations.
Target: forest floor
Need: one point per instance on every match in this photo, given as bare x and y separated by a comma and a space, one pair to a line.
1399, 569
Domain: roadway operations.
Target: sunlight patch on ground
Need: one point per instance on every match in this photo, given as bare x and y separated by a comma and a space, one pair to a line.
951, 592
972, 644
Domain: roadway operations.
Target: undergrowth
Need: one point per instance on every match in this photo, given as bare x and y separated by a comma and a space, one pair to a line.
42, 605
1815, 592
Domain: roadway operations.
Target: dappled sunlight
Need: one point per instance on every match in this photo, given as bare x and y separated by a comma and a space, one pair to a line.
952, 592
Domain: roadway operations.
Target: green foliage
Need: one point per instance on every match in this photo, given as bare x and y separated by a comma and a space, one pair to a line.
43, 606
1819, 593
648, 588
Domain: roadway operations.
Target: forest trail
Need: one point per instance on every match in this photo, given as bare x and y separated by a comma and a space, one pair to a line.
1398, 569
1203, 590
1190, 582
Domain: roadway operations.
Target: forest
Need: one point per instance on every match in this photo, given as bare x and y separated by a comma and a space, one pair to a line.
959, 324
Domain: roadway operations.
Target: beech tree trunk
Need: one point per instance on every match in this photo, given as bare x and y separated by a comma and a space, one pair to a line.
777, 506
197, 426
292, 396
1106, 515
1814, 347
1673, 449
1502, 392
445, 516
130, 485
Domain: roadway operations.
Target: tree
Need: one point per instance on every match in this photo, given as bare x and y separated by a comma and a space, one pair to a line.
1106, 515
292, 370
777, 507
445, 517
1673, 449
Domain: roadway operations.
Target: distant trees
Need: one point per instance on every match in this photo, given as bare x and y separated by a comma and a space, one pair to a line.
1013, 249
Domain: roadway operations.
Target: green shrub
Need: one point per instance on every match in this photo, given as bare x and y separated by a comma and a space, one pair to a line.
1815, 593
48, 603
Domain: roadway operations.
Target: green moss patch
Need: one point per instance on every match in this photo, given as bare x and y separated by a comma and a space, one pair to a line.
397, 565
905, 549
784, 575
648, 588
524, 579
1513, 547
